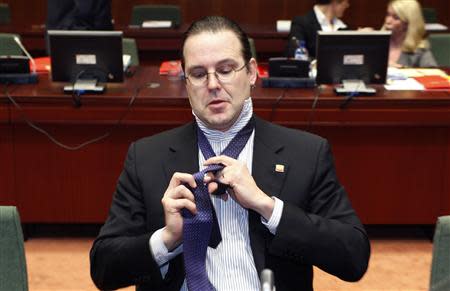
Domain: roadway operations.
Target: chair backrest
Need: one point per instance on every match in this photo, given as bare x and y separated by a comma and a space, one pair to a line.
429, 15
5, 14
8, 47
13, 269
129, 47
142, 13
440, 266
440, 47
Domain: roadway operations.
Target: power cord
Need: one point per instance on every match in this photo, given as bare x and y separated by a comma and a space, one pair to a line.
275, 105
96, 73
317, 92
347, 100
350, 97
60, 144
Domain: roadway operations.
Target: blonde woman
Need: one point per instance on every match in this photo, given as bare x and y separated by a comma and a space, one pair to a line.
408, 47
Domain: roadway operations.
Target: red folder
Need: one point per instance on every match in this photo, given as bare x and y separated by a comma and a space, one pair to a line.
174, 67
42, 65
263, 70
434, 82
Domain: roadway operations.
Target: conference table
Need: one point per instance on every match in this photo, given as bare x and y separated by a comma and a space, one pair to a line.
392, 150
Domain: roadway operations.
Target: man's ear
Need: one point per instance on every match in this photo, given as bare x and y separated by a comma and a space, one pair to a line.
252, 71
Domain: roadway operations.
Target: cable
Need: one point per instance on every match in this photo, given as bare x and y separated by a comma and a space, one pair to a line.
60, 144
317, 92
275, 105
76, 94
349, 97
347, 100
76, 97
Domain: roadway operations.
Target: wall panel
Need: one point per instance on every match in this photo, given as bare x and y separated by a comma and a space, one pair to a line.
361, 12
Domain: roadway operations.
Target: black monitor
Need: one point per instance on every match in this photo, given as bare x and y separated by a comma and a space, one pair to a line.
86, 55
352, 55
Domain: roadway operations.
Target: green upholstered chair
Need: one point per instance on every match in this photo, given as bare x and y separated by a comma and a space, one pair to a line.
141, 13
129, 47
440, 265
440, 47
5, 14
13, 269
429, 15
8, 47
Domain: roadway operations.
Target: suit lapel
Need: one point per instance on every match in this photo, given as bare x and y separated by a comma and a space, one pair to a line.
182, 153
270, 178
269, 168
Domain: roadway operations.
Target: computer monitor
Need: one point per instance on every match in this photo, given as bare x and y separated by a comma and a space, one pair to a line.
86, 55
352, 55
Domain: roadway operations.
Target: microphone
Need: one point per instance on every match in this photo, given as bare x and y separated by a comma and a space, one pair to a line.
33, 63
267, 280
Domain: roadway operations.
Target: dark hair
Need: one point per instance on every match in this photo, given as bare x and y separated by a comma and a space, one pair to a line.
216, 24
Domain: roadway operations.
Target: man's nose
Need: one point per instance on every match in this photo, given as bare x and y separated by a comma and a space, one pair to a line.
213, 82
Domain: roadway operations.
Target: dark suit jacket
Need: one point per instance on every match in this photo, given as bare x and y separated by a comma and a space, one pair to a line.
79, 14
304, 28
318, 225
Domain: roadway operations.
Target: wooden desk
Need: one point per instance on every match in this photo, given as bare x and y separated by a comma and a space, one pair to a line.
392, 150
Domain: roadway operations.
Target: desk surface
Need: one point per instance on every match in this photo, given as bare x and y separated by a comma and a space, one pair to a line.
392, 150
285, 105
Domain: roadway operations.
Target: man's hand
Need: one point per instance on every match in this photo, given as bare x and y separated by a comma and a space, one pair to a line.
177, 197
243, 187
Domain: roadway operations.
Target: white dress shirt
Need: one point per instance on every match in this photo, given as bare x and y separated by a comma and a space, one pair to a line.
326, 25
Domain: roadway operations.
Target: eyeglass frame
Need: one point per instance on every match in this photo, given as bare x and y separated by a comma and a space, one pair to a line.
216, 75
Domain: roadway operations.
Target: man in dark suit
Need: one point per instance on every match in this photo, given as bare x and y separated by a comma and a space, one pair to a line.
324, 16
284, 208
79, 15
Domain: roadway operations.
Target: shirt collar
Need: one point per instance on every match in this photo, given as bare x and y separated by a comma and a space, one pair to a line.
325, 24
216, 135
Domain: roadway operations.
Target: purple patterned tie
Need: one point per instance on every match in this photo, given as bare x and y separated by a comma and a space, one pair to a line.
202, 229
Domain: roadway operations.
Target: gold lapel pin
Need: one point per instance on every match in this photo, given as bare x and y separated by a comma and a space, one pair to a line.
279, 168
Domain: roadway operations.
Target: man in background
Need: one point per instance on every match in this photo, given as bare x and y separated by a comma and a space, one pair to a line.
325, 16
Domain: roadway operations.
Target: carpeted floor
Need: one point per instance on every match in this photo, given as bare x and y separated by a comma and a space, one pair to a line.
396, 264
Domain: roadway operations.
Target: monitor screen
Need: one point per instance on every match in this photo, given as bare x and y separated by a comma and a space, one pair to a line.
81, 55
348, 55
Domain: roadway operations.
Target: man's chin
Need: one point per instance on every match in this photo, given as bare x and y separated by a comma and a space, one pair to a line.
220, 123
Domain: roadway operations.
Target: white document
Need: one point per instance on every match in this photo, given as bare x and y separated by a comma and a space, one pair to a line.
157, 24
408, 84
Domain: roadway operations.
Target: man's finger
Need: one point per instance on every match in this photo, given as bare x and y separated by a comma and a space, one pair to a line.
208, 177
181, 191
182, 178
212, 187
226, 161
177, 205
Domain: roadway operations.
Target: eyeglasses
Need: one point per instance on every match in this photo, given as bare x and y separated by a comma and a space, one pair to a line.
224, 74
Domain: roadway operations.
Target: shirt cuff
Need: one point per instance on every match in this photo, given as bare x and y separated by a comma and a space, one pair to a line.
274, 221
159, 250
